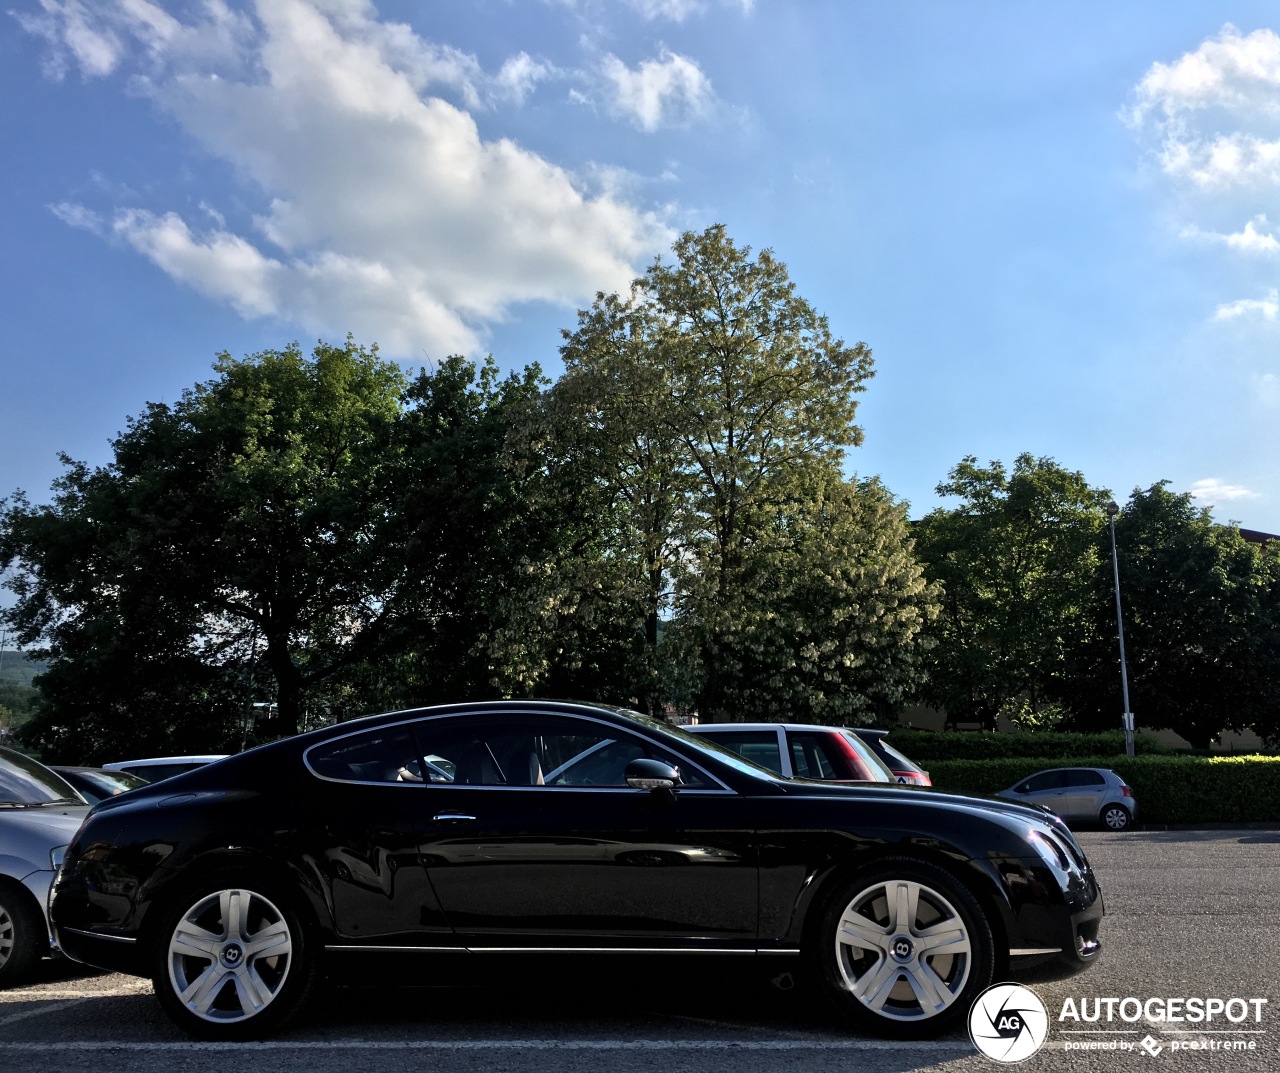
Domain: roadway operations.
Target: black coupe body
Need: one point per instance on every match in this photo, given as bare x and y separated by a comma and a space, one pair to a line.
537, 827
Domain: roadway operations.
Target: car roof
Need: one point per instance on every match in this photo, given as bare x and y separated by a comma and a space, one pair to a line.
698, 727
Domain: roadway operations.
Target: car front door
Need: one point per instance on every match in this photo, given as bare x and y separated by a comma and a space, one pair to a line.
1047, 788
538, 842
1082, 794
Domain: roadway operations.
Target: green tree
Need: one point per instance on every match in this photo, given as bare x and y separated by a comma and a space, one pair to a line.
832, 602
483, 509
1201, 619
715, 407
232, 551
1017, 560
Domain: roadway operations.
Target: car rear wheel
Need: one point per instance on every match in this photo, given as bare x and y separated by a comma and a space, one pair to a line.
234, 960
1115, 817
22, 931
904, 949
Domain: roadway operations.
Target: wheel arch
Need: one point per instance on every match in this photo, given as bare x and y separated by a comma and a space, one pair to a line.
296, 884
970, 874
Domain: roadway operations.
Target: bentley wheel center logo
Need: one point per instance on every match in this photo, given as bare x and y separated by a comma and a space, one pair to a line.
1008, 1023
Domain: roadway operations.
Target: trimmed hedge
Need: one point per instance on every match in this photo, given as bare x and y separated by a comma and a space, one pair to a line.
924, 745
1168, 789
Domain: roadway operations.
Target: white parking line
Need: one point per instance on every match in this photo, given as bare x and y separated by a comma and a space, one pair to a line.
940, 1046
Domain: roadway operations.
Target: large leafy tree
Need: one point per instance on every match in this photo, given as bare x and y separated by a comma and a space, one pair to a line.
485, 507
714, 407
233, 551
1017, 560
1202, 625
832, 601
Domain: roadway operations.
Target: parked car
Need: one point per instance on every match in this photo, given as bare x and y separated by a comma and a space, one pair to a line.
95, 783
1080, 794
39, 812
155, 768
905, 770
558, 828
800, 750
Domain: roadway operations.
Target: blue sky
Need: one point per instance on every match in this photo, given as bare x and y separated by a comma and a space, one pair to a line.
1056, 225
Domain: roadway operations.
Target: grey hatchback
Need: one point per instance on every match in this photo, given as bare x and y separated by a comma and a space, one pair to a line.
1088, 794
39, 812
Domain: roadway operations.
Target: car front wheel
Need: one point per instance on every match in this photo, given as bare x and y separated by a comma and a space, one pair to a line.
234, 960
1115, 818
904, 949
21, 932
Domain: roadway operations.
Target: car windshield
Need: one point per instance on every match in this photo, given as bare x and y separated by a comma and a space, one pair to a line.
111, 783
24, 781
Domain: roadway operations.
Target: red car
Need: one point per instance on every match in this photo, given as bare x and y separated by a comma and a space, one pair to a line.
799, 750
904, 769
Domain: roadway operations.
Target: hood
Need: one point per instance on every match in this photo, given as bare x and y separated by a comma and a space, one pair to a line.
927, 795
57, 823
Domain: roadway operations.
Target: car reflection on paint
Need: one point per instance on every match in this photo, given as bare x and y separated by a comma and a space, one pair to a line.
559, 828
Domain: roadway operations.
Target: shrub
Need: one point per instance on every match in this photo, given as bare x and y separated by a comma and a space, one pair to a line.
1168, 789
926, 745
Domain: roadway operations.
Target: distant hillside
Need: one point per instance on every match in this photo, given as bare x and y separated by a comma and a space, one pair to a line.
16, 669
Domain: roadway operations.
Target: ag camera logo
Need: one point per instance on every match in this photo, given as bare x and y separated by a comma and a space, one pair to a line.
1008, 1023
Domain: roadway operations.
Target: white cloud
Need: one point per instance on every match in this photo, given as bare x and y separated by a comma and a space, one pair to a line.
1256, 238
1218, 491
387, 214
1267, 387
1267, 307
1235, 159
1211, 120
662, 92
75, 35
79, 216
675, 10
1235, 72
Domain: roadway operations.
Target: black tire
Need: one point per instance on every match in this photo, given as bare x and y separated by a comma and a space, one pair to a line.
234, 959
903, 948
23, 934
1115, 817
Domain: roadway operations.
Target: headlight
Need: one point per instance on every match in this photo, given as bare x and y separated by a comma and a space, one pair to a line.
1050, 850
57, 855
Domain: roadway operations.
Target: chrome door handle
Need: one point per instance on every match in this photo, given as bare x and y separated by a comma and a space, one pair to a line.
452, 817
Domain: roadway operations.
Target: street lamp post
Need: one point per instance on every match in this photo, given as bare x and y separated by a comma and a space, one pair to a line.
1112, 510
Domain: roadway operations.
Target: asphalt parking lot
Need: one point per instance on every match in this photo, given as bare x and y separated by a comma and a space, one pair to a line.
1191, 915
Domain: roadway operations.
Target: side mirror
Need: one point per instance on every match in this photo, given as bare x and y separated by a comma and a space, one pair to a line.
645, 774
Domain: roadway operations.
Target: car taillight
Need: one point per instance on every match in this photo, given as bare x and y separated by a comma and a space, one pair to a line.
1126, 791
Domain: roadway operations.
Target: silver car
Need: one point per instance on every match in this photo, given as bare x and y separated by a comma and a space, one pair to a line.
1082, 794
39, 812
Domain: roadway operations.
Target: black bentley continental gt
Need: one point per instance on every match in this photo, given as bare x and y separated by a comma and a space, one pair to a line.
535, 828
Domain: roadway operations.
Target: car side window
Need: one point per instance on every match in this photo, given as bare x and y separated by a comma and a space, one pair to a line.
385, 755
537, 750
758, 746
810, 759
1046, 780
1084, 777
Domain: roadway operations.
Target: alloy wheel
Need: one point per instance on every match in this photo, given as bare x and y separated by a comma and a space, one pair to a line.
229, 956
903, 950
